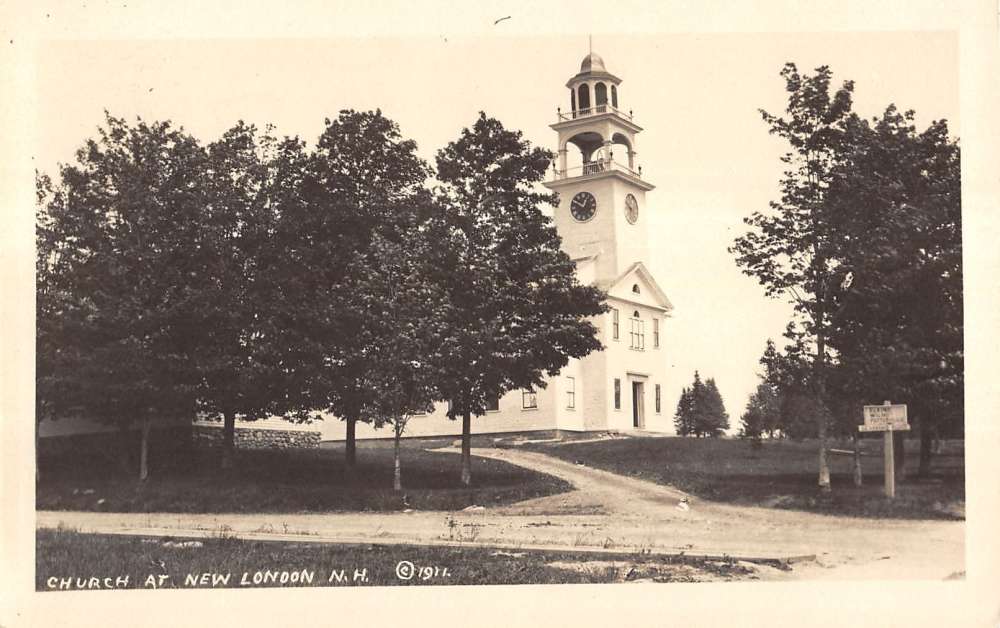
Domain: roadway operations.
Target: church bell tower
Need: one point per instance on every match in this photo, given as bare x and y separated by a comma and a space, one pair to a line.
601, 215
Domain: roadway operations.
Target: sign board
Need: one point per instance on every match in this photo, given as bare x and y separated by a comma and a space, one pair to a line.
885, 418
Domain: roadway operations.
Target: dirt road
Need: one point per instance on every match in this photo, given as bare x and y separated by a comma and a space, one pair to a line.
604, 511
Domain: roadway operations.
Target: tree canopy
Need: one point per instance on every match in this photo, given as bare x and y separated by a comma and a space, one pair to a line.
516, 311
866, 242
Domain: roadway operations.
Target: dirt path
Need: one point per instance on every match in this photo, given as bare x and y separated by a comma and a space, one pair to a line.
605, 511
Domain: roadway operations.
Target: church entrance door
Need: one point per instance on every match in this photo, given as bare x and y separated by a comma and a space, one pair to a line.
638, 417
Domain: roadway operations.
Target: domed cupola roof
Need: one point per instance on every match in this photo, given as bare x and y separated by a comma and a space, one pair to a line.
591, 68
592, 63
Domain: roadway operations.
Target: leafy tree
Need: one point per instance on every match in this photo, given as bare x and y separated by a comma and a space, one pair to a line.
898, 335
789, 249
364, 183
242, 309
403, 336
516, 312
119, 253
762, 414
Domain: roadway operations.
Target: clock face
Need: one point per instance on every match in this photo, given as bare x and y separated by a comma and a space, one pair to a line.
631, 209
583, 206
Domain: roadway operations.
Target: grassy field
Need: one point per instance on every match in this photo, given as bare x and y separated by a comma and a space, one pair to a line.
779, 474
300, 480
68, 560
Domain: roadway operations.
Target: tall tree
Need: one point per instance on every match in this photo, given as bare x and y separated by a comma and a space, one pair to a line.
899, 335
405, 330
788, 249
364, 181
250, 178
119, 253
516, 310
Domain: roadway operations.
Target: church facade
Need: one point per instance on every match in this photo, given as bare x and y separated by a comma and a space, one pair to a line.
603, 220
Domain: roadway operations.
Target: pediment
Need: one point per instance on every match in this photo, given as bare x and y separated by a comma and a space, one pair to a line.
637, 285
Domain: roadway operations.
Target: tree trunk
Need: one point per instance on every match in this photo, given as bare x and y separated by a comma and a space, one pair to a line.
397, 476
926, 449
351, 446
858, 481
467, 448
818, 374
144, 451
228, 438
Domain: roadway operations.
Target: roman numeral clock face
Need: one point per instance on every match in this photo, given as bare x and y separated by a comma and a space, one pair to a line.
631, 209
583, 206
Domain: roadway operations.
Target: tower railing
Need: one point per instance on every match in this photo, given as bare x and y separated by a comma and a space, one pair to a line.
596, 167
592, 111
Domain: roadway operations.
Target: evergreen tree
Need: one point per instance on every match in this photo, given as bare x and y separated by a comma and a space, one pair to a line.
716, 417
699, 407
700, 410
516, 311
682, 417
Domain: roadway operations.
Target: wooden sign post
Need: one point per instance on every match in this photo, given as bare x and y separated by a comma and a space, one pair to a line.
886, 418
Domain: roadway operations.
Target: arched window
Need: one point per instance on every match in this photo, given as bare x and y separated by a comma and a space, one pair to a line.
614, 96
572, 100
600, 94
584, 97
635, 289
635, 314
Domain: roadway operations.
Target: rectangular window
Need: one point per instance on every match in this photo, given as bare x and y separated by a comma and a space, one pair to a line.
570, 392
656, 333
493, 404
618, 394
614, 323
637, 336
528, 399
657, 389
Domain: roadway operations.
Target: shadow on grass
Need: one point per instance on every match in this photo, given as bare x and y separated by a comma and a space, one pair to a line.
779, 474
293, 480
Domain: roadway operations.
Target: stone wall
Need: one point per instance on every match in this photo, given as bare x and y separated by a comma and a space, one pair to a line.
252, 438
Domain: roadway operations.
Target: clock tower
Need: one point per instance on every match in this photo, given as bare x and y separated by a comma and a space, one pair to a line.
601, 215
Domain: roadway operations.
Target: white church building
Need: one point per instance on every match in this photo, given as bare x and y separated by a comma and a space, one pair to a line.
603, 220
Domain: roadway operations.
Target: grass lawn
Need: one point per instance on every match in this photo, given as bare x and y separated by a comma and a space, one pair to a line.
98, 560
298, 480
780, 474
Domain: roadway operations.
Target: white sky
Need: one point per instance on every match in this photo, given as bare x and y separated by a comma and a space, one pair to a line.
704, 145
